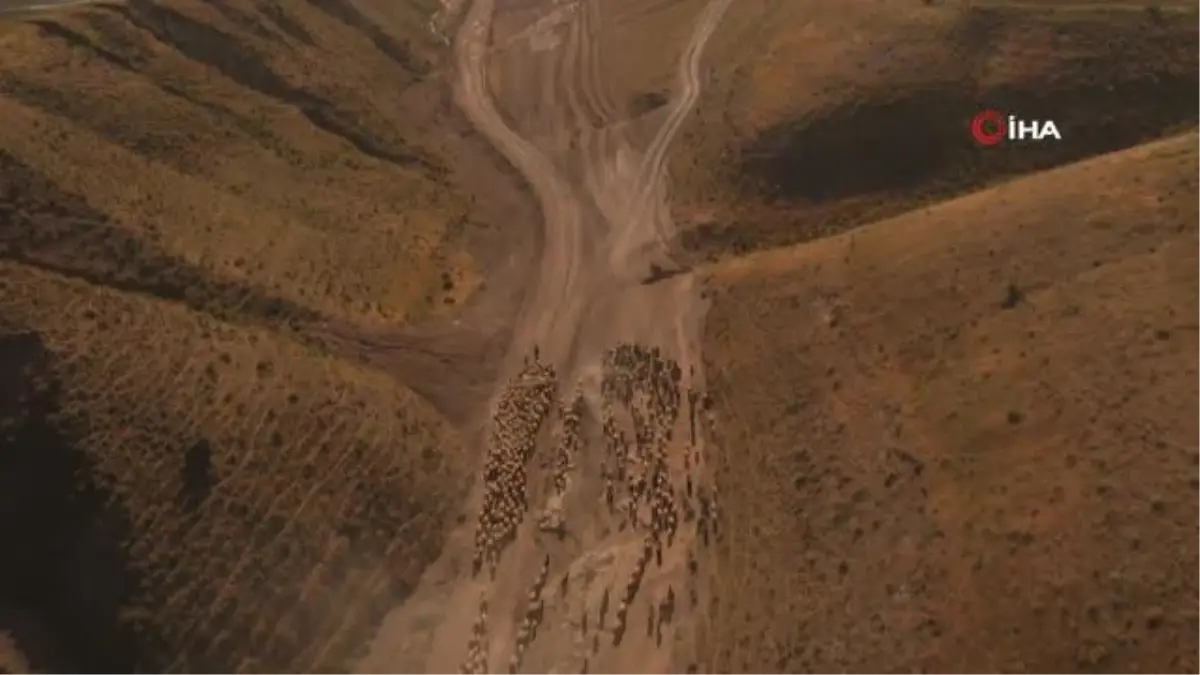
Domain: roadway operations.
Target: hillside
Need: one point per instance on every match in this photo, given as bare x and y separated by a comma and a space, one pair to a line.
970, 441
190, 482
241, 146
348, 335
190, 495
821, 116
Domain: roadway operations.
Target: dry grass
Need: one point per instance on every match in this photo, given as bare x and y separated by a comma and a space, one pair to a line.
273, 503
252, 142
641, 43
193, 489
970, 445
821, 116
961, 438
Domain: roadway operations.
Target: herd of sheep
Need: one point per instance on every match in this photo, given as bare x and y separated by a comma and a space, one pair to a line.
649, 480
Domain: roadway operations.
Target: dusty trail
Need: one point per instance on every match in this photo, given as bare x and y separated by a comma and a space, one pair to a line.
561, 248
554, 601
652, 173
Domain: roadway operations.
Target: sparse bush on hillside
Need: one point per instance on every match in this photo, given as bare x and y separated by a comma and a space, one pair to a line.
1012, 296
794, 155
230, 116
943, 473
244, 473
268, 503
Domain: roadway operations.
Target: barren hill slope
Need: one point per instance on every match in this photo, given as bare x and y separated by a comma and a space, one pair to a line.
822, 115
189, 482
293, 148
964, 438
961, 438
191, 495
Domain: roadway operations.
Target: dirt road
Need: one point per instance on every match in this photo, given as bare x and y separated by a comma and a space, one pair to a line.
605, 220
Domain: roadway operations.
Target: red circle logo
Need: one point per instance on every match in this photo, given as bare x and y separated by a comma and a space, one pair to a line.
988, 127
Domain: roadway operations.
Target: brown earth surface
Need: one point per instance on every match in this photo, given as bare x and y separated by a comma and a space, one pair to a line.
972, 439
305, 382
194, 477
882, 93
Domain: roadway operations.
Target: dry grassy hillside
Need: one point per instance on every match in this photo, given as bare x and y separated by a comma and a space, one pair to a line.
245, 498
184, 485
289, 147
821, 115
970, 442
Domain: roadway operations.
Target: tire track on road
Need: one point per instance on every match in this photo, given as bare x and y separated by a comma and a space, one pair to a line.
568, 294
553, 304
559, 62
561, 245
653, 172
594, 83
578, 109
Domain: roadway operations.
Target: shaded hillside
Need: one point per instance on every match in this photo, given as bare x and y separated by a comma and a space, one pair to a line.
964, 439
273, 503
268, 155
56, 231
861, 115
182, 186
45, 509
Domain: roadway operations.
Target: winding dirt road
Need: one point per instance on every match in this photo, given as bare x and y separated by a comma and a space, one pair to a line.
605, 221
